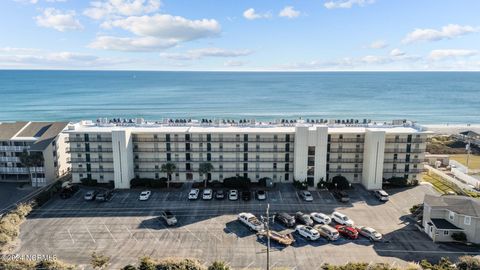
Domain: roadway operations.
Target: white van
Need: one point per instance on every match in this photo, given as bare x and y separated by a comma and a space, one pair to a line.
342, 219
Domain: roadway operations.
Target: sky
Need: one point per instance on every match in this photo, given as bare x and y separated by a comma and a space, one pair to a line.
232, 35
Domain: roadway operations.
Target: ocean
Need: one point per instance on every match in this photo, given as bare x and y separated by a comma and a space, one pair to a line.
425, 97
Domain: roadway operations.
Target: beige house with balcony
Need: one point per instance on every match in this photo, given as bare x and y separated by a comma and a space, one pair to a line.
446, 215
363, 153
44, 140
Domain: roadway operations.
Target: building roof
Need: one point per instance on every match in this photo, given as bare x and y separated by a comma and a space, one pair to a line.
444, 224
470, 133
40, 133
459, 204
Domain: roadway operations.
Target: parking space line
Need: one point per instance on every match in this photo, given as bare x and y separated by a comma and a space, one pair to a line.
131, 234
280, 194
128, 194
69, 233
250, 264
106, 227
91, 236
192, 234
166, 197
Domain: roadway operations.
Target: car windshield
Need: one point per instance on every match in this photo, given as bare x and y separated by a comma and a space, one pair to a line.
144, 193
207, 192
345, 218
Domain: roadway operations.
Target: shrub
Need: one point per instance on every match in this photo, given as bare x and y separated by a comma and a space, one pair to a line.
302, 185
8, 228
218, 265
129, 267
415, 207
340, 182
89, 182
179, 264
237, 182
16, 265
443, 264
4, 239
459, 236
146, 263
468, 263
396, 182
321, 184
53, 265
99, 261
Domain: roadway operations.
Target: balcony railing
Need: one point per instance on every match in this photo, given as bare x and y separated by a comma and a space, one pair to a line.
93, 150
396, 150
346, 160
402, 161
239, 160
14, 170
240, 149
93, 170
10, 159
346, 150
214, 140
82, 139
403, 171
11, 148
356, 170
92, 160
250, 170
37, 169
405, 140
347, 140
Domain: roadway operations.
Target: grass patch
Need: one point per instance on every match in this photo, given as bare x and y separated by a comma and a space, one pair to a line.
441, 185
474, 160
10, 224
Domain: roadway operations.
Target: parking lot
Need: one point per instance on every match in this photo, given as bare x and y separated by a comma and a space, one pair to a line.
126, 228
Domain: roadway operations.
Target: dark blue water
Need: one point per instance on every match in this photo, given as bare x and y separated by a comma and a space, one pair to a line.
426, 97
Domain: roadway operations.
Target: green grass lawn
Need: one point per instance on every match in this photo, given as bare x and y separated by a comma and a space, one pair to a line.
474, 160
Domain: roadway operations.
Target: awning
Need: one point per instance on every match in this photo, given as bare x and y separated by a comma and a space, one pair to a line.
442, 224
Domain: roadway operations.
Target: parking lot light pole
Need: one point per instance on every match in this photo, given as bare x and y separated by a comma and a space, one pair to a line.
266, 221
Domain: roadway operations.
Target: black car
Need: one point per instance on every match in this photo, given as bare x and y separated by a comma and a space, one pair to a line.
68, 191
303, 219
220, 194
341, 196
246, 195
104, 196
285, 219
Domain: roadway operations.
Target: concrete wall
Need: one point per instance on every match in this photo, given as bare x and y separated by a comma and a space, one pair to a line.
373, 156
122, 148
300, 156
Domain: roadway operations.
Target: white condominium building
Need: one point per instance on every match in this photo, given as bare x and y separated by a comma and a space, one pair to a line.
304, 151
32, 152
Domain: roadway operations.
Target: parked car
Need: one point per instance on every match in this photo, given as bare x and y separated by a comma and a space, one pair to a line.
68, 191
342, 219
321, 218
251, 221
207, 194
369, 233
193, 195
381, 195
145, 195
327, 231
307, 232
90, 195
261, 195
347, 231
303, 219
246, 195
219, 194
341, 196
233, 195
104, 196
168, 217
285, 219
306, 196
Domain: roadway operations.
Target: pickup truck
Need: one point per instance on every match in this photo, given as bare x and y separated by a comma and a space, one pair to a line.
251, 221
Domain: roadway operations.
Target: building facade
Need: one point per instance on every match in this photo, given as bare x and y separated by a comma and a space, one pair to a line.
33, 152
445, 215
364, 154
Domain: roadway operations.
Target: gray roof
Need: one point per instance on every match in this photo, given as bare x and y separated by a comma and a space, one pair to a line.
44, 132
459, 204
444, 224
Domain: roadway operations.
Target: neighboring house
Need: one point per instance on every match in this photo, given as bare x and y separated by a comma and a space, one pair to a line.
446, 215
32, 152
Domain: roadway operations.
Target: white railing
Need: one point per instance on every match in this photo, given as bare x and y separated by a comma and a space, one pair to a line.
13, 170
37, 169
14, 148
9, 159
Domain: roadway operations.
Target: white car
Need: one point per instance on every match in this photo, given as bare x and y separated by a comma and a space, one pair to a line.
342, 219
193, 195
168, 217
306, 196
233, 195
369, 233
251, 221
145, 195
307, 232
327, 231
381, 195
207, 194
321, 218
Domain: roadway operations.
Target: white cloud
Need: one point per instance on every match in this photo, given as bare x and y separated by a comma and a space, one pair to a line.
251, 14
447, 32
396, 53
442, 54
347, 3
156, 32
27, 1
58, 20
206, 52
289, 12
378, 44
233, 63
113, 8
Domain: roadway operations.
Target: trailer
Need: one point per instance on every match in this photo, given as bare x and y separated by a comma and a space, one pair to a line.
283, 239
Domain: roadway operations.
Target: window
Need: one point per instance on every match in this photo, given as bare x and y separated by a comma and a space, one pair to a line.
445, 232
451, 215
467, 220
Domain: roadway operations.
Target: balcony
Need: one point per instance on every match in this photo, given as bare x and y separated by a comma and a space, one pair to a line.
396, 150
240, 170
239, 160
92, 150
213, 140
347, 140
346, 160
346, 150
10, 159
37, 169
82, 139
9, 148
224, 150
93, 170
14, 170
405, 140
92, 160
402, 161
355, 170
403, 171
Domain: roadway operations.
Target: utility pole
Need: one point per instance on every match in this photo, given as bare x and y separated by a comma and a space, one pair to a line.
266, 222
468, 154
